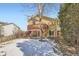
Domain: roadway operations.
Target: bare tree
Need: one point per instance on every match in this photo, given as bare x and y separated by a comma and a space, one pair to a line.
40, 14
43, 9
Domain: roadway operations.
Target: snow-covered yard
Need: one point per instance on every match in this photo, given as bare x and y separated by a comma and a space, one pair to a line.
29, 47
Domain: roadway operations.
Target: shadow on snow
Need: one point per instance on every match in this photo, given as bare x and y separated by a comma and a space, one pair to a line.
37, 48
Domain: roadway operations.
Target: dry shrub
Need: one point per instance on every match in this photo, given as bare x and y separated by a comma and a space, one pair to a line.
7, 38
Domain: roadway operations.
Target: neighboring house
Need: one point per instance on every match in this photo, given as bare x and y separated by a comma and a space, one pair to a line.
9, 29
50, 27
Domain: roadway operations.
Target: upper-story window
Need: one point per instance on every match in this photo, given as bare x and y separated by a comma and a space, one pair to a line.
51, 23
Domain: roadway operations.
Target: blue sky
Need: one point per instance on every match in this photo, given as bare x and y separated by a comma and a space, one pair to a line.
18, 13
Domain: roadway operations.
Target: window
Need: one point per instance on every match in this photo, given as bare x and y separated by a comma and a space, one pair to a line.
35, 33
51, 33
58, 33
49, 24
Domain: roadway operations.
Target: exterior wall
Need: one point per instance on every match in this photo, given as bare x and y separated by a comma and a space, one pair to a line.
31, 27
43, 21
38, 22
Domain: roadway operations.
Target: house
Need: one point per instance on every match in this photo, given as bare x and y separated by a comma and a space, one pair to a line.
50, 27
9, 29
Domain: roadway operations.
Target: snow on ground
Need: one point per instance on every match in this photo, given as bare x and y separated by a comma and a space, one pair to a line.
29, 47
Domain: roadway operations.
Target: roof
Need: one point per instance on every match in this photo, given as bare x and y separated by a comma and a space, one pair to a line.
43, 17
13, 24
5, 24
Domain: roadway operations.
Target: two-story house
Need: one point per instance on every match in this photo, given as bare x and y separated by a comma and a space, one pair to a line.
50, 27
